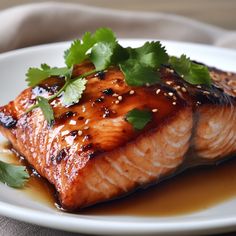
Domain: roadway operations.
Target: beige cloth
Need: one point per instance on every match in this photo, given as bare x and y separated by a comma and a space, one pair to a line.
49, 22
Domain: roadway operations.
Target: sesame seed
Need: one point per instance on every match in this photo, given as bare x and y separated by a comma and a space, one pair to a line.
158, 91
63, 133
174, 103
174, 97
206, 92
87, 121
154, 110
184, 89
169, 82
170, 94
199, 86
86, 127
120, 98
182, 76
177, 87
115, 95
72, 122
147, 84
83, 109
131, 92
117, 102
80, 132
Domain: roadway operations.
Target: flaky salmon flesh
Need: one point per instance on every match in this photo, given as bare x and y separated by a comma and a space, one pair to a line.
92, 154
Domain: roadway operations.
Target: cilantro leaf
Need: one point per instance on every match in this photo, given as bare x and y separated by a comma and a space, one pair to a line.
198, 74
138, 118
35, 76
13, 175
137, 74
143, 63
101, 55
105, 35
105, 54
191, 72
181, 65
74, 91
46, 109
78, 50
151, 54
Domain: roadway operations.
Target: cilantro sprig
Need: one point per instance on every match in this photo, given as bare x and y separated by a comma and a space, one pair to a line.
13, 175
140, 66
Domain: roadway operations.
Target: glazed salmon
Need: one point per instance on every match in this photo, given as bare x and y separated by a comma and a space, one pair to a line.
92, 154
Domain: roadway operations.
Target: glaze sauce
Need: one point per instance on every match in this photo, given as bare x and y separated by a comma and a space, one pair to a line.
193, 190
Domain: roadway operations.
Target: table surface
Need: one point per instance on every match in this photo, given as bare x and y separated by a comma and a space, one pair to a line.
217, 12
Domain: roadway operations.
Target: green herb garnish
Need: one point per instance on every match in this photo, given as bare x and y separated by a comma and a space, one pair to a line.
138, 118
13, 175
191, 72
140, 67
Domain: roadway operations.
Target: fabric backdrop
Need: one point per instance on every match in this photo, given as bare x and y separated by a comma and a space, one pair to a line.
50, 22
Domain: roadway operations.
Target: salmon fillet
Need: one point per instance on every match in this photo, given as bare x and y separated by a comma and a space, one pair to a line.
92, 154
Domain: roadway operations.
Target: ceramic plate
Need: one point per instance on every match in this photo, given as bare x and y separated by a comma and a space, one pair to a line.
18, 205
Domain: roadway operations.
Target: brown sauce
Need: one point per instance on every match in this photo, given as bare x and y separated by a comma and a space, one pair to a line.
36, 188
194, 190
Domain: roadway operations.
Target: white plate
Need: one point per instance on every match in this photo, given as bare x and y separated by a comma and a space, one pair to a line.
17, 205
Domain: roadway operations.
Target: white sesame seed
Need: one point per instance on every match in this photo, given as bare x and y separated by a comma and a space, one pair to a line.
83, 109
86, 127
131, 92
154, 110
80, 132
169, 82
87, 121
72, 122
120, 98
199, 86
170, 94
174, 103
206, 92
177, 87
147, 84
117, 102
63, 133
182, 76
184, 89
158, 91
115, 95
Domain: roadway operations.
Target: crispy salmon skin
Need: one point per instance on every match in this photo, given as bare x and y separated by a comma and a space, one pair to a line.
92, 154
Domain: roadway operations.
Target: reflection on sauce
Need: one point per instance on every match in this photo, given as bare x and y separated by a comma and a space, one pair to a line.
193, 190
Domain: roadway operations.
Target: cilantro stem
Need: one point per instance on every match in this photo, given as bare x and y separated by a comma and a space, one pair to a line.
62, 89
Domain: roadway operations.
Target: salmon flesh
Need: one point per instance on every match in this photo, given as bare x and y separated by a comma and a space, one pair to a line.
92, 154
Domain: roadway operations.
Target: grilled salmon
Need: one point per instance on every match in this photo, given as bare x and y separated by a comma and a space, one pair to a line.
92, 154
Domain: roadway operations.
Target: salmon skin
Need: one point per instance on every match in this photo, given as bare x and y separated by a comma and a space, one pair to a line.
92, 154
